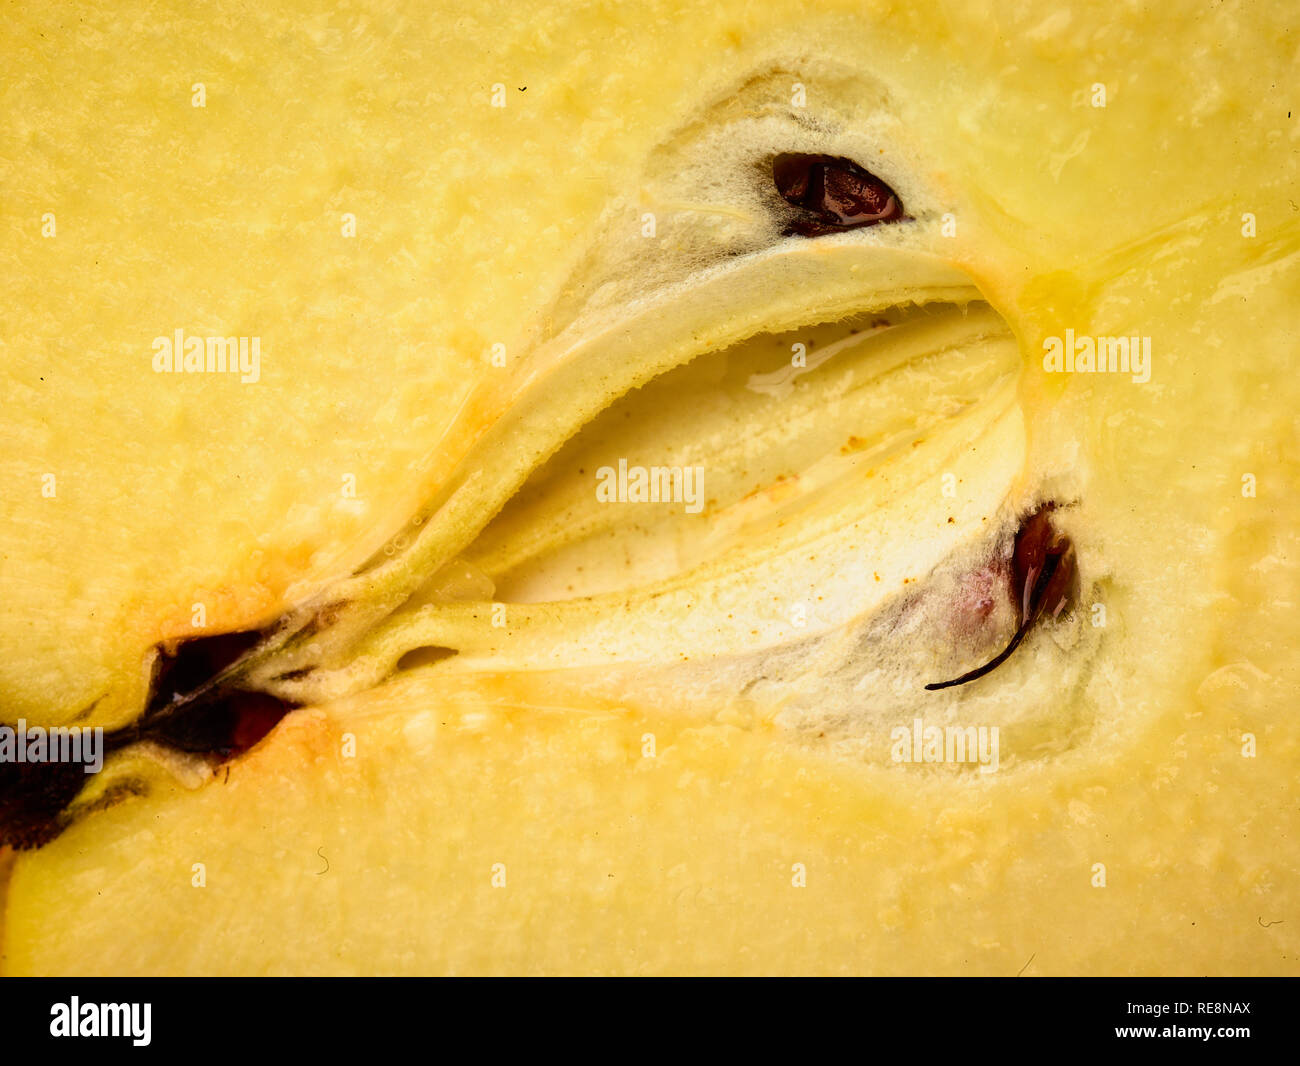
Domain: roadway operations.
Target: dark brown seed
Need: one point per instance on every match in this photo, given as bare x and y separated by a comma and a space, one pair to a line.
32, 799
195, 663
223, 723
190, 711
1044, 573
187, 711
835, 193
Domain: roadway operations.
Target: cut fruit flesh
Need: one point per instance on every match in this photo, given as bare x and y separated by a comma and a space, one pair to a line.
1123, 743
484, 829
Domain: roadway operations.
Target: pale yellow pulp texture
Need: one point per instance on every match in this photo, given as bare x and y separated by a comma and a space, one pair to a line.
181, 489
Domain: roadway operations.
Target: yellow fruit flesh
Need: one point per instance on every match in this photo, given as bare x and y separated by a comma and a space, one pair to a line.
617, 862
1119, 220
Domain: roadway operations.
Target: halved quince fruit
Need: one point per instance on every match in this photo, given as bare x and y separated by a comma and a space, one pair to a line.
657, 533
